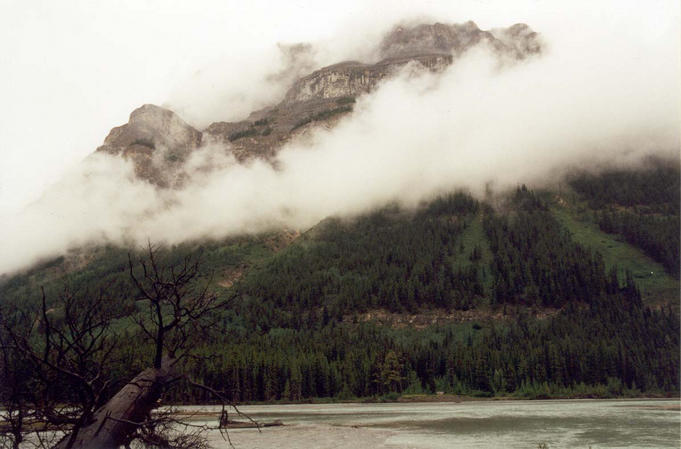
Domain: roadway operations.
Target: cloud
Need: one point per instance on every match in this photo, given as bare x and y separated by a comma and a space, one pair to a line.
602, 92
231, 88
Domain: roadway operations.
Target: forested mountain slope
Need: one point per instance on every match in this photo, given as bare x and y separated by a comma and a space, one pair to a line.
537, 296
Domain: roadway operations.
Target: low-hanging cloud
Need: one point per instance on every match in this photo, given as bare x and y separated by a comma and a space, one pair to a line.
230, 89
591, 97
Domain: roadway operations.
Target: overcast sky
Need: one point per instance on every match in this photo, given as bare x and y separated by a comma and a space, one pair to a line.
71, 70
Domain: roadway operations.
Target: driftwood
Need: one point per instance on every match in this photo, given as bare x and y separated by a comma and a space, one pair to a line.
251, 425
119, 418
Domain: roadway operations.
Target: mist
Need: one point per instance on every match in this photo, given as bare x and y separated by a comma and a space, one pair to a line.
604, 91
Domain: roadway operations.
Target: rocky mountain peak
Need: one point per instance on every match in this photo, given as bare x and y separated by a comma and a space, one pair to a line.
434, 46
519, 37
517, 41
405, 41
157, 140
153, 126
152, 138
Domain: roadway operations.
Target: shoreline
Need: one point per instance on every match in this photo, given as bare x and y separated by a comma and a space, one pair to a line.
444, 398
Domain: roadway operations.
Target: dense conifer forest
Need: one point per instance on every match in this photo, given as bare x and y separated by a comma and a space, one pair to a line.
642, 206
528, 309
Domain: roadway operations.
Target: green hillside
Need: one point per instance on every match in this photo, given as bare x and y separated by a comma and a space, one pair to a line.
538, 298
656, 285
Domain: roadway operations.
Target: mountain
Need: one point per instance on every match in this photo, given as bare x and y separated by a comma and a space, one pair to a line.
157, 140
568, 293
569, 290
149, 130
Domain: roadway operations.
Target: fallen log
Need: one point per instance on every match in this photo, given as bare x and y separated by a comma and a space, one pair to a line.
115, 422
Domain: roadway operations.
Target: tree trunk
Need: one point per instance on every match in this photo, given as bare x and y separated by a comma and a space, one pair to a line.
114, 422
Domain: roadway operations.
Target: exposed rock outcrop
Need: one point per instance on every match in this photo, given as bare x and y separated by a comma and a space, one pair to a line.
157, 140
517, 41
354, 78
433, 46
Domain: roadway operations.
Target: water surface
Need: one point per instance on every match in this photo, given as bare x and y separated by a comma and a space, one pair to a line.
477, 424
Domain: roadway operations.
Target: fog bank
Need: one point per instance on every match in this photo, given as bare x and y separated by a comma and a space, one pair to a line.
604, 92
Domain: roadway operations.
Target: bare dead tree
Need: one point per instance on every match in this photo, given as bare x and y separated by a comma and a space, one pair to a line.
177, 304
175, 309
69, 345
57, 359
14, 392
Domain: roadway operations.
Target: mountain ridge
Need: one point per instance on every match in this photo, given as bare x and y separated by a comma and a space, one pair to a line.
320, 98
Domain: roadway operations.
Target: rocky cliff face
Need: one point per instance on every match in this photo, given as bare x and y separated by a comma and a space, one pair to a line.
153, 126
354, 78
432, 46
517, 41
157, 140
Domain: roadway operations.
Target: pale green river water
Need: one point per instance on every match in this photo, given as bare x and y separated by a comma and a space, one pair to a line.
478, 424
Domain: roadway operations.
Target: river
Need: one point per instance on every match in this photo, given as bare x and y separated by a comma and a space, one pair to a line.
474, 424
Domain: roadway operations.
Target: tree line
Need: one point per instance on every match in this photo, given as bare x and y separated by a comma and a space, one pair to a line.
641, 205
293, 331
